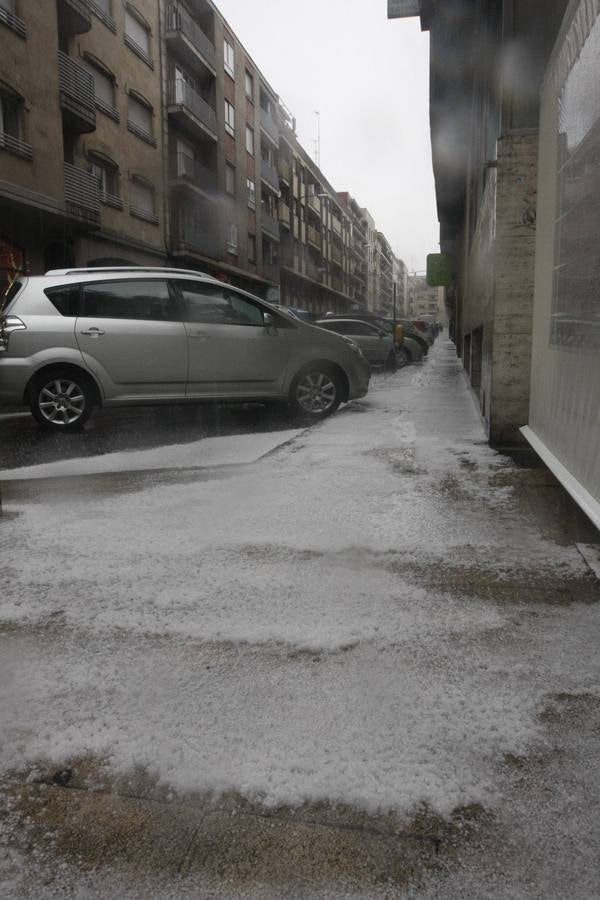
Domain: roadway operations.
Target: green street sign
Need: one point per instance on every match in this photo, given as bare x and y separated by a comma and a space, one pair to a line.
439, 271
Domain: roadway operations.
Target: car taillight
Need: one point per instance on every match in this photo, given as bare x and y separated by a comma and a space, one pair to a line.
8, 324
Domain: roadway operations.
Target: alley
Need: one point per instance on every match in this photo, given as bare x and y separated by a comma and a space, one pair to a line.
358, 660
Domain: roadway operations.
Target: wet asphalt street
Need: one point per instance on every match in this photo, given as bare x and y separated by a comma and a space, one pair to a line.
24, 443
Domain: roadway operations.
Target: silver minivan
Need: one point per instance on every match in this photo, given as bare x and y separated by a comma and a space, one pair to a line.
74, 339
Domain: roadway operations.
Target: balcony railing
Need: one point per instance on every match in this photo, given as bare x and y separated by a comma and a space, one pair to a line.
192, 171
13, 22
77, 94
183, 97
269, 224
74, 16
285, 171
313, 236
314, 203
192, 236
336, 255
268, 174
269, 126
284, 214
336, 226
180, 25
81, 194
15, 145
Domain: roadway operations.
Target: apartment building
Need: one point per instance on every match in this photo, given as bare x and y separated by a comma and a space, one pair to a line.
316, 253
383, 266
222, 148
80, 149
142, 132
356, 249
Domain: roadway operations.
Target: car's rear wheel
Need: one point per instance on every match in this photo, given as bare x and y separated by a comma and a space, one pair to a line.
62, 399
316, 392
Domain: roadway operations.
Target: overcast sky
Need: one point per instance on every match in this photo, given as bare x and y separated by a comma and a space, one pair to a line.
368, 77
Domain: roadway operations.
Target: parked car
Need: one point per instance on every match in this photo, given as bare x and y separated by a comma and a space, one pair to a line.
410, 331
425, 327
74, 339
406, 352
377, 344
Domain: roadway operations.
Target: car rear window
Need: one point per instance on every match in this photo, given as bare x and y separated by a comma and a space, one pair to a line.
11, 293
65, 299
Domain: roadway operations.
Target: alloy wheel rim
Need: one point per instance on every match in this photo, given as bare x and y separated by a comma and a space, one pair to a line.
61, 401
316, 392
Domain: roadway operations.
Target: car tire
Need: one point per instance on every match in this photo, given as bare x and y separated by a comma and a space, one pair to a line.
62, 399
403, 358
316, 392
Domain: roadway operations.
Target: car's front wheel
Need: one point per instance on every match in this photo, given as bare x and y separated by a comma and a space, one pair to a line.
316, 393
62, 399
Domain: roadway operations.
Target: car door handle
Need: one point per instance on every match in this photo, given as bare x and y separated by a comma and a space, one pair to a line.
93, 332
201, 335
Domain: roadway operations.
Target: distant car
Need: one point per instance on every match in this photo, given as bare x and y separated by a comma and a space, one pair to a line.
406, 352
377, 344
412, 332
413, 349
426, 328
74, 339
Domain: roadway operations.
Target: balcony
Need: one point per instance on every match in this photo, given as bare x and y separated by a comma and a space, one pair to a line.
270, 270
269, 224
336, 226
314, 203
269, 175
191, 111
191, 236
284, 215
191, 174
336, 255
313, 271
313, 237
188, 41
81, 195
74, 16
77, 95
337, 283
285, 171
269, 127
13, 22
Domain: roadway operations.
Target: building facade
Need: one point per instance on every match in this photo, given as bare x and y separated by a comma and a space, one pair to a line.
486, 69
141, 132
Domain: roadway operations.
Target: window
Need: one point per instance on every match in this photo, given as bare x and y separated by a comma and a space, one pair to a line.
251, 248
229, 118
250, 140
10, 116
137, 35
232, 239
64, 299
103, 10
214, 305
229, 58
186, 159
230, 179
141, 199
249, 86
104, 86
107, 174
251, 188
103, 5
139, 118
140, 299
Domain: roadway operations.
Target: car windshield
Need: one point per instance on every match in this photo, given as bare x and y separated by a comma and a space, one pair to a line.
299, 449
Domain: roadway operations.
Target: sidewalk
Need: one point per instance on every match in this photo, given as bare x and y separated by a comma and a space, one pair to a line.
363, 666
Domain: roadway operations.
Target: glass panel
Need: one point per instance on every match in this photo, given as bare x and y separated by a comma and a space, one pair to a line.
129, 300
64, 299
140, 114
141, 196
576, 301
137, 32
218, 306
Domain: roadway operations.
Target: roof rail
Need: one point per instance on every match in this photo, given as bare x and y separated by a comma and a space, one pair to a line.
94, 269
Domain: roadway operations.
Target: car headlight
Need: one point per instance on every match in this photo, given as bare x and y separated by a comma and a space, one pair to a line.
354, 347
